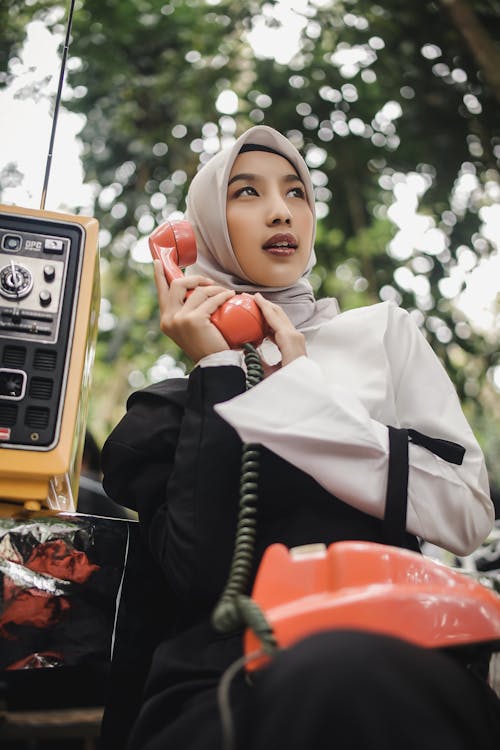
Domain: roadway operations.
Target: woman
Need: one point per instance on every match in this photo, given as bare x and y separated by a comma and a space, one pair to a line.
333, 383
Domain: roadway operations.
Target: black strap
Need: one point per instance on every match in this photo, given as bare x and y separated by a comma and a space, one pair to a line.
445, 449
396, 502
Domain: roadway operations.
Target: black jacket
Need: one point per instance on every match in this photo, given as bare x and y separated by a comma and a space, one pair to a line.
176, 462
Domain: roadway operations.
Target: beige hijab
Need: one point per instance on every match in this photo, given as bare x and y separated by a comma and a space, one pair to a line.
206, 210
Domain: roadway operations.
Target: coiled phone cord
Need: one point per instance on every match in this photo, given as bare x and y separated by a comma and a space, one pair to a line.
234, 607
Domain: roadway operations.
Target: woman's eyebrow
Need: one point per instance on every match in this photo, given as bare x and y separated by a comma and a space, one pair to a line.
248, 177
243, 176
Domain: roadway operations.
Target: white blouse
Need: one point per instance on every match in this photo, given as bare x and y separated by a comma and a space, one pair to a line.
327, 414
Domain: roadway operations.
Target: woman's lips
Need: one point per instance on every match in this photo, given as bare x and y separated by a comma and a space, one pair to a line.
281, 244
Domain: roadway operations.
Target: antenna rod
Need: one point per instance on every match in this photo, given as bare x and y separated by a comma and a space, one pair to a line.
56, 106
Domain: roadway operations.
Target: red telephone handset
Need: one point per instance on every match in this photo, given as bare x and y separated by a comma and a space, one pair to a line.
239, 319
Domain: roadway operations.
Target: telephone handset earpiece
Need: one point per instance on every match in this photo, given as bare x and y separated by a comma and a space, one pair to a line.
239, 319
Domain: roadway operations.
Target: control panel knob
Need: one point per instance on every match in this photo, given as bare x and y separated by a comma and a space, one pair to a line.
45, 298
16, 281
49, 272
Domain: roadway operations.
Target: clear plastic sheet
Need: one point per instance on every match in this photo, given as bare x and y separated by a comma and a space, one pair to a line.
60, 579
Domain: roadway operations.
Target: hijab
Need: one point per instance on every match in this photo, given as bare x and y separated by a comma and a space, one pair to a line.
206, 211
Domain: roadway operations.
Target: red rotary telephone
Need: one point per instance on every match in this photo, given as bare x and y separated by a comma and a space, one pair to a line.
373, 587
239, 319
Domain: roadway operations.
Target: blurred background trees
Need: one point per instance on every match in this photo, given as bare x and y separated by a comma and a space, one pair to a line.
395, 108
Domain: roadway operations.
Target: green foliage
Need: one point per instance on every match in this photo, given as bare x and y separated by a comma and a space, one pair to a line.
359, 61
387, 101
14, 15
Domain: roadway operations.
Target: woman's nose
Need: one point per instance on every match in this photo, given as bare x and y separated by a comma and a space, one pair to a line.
279, 212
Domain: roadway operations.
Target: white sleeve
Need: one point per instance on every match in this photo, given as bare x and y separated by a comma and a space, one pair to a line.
325, 430
224, 357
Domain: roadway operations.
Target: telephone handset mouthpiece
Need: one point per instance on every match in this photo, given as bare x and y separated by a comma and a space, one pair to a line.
239, 319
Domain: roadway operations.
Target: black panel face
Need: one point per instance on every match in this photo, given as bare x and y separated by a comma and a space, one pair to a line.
40, 262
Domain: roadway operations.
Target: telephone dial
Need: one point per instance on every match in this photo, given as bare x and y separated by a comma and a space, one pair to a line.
239, 319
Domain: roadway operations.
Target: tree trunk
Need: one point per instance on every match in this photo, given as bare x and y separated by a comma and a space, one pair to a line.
483, 48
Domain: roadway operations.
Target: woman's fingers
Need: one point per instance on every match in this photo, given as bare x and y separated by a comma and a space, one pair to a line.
185, 308
188, 302
202, 298
275, 316
188, 294
179, 288
185, 293
160, 280
289, 341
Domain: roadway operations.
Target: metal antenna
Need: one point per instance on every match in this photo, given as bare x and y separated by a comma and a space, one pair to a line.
56, 106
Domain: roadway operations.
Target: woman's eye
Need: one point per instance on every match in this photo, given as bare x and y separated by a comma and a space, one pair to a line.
297, 192
247, 190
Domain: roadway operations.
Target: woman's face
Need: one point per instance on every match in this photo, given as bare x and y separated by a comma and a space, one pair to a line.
269, 219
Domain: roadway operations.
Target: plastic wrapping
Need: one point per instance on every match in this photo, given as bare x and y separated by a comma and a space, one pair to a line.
60, 585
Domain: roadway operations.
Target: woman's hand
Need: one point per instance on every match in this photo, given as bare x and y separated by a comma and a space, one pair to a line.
289, 341
186, 320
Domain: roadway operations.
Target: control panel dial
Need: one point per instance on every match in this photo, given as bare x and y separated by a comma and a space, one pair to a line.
16, 281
